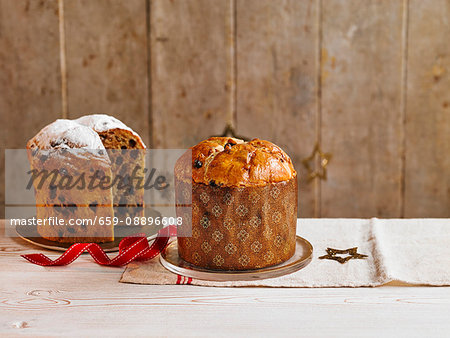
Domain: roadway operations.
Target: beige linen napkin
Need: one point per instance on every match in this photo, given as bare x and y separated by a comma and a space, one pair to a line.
414, 251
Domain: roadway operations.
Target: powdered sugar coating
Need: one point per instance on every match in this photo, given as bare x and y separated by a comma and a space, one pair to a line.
65, 134
103, 122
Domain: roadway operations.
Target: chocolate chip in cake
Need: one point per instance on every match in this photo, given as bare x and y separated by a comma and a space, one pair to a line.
65, 211
229, 145
123, 201
198, 164
52, 192
213, 184
123, 147
134, 154
54, 144
132, 143
125, 182
121, 210
123, 170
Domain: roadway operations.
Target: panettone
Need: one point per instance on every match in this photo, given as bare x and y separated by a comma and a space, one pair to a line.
126, 151
244, 204
97, 143
48, 151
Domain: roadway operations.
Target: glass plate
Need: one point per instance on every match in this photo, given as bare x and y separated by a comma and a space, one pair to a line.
302, 257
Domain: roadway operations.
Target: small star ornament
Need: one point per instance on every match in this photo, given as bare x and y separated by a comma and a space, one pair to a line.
309, 163
352, 254
230, 132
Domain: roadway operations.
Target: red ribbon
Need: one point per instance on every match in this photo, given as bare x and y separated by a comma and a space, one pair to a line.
132, 248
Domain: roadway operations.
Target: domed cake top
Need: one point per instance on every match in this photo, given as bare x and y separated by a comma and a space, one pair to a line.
226, 161
102, 123
66, 134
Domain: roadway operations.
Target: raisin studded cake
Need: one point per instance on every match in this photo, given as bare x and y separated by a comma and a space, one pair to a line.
48, 151
126, 151
97, 143
244, 204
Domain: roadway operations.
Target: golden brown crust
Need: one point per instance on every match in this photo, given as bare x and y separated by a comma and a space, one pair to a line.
244, 204
230, 162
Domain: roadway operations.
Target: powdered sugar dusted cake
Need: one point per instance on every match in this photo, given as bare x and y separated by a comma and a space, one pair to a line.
127, 153
48, 153
98, 143
104, 124
66, 134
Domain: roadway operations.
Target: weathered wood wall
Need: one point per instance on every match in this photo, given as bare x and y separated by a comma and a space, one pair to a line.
367, 80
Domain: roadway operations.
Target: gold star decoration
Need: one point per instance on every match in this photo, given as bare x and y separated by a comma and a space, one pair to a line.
230, 132
309, 163
352, 254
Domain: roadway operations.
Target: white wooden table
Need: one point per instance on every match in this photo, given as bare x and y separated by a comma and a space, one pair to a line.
86, 299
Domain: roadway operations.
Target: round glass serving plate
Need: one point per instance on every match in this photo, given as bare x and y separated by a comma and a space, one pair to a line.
302, 257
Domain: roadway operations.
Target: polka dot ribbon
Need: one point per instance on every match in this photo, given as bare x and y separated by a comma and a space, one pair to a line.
132, 248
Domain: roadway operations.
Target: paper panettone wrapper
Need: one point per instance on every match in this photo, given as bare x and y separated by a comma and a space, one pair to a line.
238, 228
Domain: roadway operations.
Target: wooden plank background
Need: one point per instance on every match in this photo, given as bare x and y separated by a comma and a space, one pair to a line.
276, 79
30, 73
189, 70
361, 93
106, 55
427, 120
368, 80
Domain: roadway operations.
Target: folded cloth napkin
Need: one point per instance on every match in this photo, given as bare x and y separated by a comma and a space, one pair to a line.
413, 251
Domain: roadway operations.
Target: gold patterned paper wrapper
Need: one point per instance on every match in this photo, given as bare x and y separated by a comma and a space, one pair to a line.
238, 228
